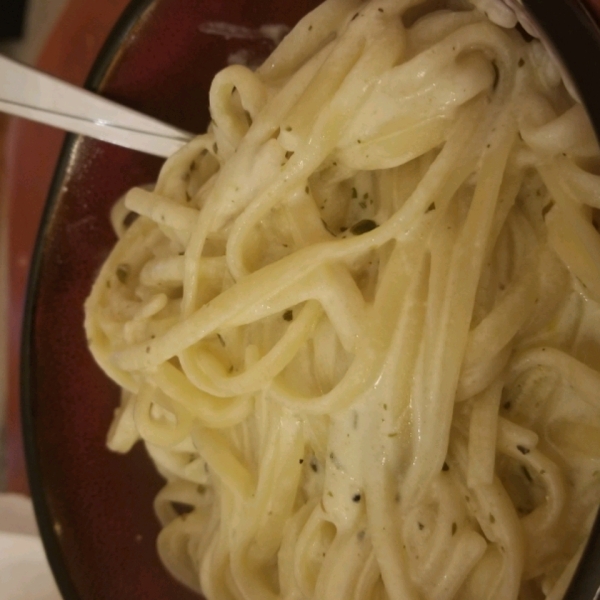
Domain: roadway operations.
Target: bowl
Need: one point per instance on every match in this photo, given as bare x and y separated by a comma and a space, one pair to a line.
94, 508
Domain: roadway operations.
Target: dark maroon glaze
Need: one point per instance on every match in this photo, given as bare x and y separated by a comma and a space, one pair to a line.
94, 507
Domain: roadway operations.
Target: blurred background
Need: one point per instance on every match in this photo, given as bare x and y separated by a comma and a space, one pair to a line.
26, 26
61, 37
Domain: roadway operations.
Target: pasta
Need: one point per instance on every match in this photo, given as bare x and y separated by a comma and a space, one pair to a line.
356, 323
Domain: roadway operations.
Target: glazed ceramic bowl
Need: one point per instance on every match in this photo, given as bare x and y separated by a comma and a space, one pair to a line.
95, 508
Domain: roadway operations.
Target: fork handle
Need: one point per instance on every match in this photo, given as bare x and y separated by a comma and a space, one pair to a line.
27, 93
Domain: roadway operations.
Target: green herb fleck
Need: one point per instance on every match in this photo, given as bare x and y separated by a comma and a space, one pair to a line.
182, 508
123, 271
363, 226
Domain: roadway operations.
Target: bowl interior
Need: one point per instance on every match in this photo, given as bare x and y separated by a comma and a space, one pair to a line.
94, 507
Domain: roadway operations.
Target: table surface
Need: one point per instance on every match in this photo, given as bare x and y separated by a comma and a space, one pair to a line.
30, 152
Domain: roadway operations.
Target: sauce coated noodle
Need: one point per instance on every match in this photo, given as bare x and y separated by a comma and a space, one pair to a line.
356, 323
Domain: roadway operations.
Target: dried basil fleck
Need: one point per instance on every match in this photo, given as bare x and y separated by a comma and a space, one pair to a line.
363, 226
181, 508
123, 271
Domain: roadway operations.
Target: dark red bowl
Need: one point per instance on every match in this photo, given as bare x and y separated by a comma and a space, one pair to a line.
94, 508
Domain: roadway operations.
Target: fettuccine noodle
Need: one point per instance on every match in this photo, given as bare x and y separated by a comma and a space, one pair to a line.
357, 322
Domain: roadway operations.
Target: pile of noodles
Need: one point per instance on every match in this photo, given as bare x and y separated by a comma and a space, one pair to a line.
357, 323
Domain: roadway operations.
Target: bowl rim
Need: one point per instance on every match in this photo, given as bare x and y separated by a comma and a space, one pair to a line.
584, 34
577, 22
131, 17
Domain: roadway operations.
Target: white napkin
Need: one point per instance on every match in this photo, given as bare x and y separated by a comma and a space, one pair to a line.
24, 571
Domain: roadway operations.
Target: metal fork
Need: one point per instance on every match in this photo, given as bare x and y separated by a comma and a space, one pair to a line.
28, 93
